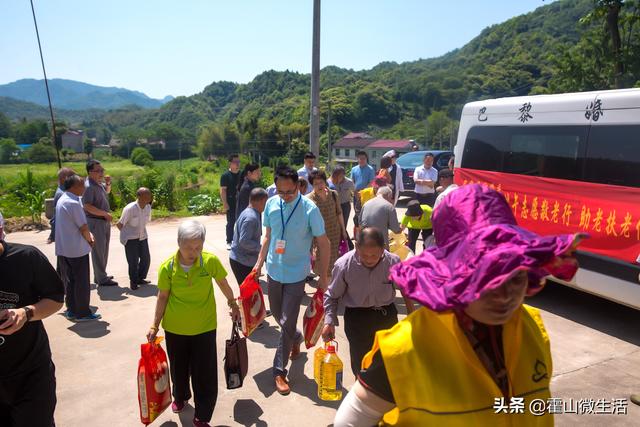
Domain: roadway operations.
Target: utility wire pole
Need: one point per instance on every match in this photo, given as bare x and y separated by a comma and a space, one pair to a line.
329, 134
46, 84
314, 130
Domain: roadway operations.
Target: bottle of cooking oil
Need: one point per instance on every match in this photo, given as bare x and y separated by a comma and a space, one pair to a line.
318, 355
330, 381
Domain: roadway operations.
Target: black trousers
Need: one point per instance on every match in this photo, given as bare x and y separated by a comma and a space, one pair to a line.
138, 258
240, 271
194, 357
414, 233
426, 199
346, 211
29, 400
74, 273
52, 234
360, 327
231, 220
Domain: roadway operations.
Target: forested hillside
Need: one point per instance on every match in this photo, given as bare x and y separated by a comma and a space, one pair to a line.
560, 47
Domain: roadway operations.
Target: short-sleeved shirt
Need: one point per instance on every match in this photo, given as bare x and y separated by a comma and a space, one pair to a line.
362, 176
381, 214
304, 224
422, 173
442, 195
191, 308
95, 195
134, 222
230, 181
423, 223
70, 217
56, 198
26, 278
344, 189
246, 246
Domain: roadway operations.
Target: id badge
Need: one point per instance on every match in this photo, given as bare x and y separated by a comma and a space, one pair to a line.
280, 246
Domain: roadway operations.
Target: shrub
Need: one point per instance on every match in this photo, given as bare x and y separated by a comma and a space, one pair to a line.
204, 204
140, 156
41, 152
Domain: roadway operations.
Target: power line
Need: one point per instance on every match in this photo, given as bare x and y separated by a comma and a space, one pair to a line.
46, 84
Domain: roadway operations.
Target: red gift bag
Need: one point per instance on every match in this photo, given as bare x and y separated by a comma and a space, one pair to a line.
251, 302
154, 393
313, 319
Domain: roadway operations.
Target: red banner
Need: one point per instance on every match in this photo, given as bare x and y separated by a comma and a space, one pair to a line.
610, 214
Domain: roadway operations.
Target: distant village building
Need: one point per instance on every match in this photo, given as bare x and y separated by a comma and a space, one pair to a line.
73, 140
344, 151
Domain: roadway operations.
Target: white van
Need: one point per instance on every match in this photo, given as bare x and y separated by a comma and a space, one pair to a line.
566, 163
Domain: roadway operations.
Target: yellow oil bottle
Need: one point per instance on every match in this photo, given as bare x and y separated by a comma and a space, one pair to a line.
330, 380
318, 355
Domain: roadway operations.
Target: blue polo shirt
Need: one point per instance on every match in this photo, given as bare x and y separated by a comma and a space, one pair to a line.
70, 217
362, 176
306, 223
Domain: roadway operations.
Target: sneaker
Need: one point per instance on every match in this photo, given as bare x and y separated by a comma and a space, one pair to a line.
198, 423
92, 316
177, 407
69, 315
228, 246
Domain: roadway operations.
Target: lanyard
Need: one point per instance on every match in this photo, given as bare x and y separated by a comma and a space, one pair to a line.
284, 224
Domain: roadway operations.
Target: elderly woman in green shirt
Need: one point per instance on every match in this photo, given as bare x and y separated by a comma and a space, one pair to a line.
186, 306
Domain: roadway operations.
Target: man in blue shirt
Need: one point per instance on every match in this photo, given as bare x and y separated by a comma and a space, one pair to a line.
361, 175
73, 245
63, 174
292, 222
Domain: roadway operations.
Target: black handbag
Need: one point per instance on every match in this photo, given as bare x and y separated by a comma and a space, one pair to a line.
236, 359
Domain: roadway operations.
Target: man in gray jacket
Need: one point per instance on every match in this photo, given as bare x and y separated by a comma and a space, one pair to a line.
380, 213
246, 244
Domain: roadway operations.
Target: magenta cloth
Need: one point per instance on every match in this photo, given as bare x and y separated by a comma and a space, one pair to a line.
343, 248
479, 247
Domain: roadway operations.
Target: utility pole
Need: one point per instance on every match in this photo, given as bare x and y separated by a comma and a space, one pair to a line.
180, 155
314, 129
329, 134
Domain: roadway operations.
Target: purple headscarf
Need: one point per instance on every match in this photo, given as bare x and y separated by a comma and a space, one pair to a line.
479, 248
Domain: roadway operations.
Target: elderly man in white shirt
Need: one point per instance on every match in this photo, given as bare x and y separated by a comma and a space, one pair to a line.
133, 235
425, 177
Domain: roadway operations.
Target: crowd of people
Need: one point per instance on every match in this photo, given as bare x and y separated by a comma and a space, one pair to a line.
467, 315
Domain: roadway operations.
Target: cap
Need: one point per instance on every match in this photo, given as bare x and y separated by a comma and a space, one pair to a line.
413, 208
390, 153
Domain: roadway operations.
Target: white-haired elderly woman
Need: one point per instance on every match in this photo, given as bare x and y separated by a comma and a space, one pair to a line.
186, 306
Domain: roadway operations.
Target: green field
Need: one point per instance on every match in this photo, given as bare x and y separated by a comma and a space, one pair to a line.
174, 187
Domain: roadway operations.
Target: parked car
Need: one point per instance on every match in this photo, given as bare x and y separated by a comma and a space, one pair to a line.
410, 161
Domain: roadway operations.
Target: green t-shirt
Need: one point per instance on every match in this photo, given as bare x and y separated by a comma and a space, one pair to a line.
424, 223
191, 309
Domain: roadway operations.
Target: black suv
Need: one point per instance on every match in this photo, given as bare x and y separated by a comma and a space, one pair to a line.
410, 161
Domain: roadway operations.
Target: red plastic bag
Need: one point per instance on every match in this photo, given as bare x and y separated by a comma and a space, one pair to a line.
251, 302
313, 319
154, 391
343, 248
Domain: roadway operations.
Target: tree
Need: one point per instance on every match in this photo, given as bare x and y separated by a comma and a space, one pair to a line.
210, 141
42, 151
8, 148
88, 147
440, 130
6, 130
141, 157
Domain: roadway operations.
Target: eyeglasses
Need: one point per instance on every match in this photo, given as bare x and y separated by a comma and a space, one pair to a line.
287, 193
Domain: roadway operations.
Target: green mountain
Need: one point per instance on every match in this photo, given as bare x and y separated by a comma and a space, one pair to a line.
74, 95
552, 49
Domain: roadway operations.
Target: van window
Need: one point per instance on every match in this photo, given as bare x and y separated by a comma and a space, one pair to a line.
548, 151
613, 155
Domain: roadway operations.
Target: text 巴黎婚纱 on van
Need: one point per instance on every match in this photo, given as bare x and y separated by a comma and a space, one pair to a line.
566, 163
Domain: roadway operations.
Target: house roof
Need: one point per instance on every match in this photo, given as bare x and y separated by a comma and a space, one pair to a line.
391, 143
353, 143
357, 135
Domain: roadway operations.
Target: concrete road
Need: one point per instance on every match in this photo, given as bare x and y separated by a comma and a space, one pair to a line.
595, 344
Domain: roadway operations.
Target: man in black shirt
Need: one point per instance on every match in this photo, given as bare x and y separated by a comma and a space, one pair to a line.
30, 290
229, 194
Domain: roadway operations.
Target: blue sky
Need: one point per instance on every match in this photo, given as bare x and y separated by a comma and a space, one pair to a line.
178, 47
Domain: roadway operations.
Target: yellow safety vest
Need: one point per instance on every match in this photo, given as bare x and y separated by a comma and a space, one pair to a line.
438, 380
